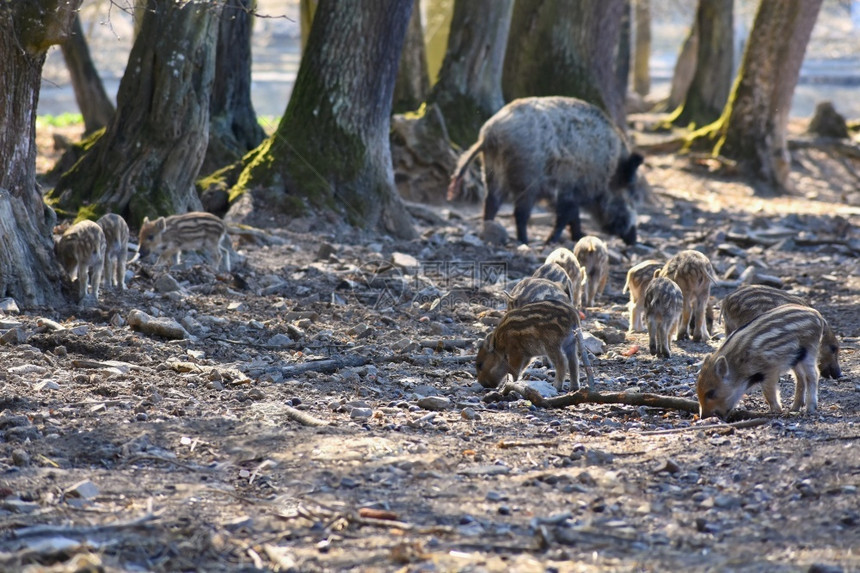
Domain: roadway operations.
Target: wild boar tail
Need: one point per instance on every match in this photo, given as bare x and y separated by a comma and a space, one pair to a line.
455, 187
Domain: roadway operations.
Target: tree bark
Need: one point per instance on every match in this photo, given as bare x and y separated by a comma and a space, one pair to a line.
469, 90
566, 47
752, 128
413, 82
146, 162
685, 68
712, 80
96, 107
331, 149
29, 272
642, 51
438, 25
233, 127
307, 9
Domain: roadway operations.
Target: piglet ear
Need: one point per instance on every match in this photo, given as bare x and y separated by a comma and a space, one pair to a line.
145, 220
721, 368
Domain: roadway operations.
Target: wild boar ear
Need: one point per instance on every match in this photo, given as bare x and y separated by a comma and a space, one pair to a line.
145, 221
627, 170
721, 368
488, 343
160, 223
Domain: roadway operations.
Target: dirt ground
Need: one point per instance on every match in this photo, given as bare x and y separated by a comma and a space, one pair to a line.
323, 415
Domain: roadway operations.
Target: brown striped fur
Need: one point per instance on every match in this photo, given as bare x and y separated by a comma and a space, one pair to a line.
748, 302
116, 252
545, 328
532, 289
782, 339
593, 256
638, 278
664, 302
692, 271
168, 236
567, 260
81, 252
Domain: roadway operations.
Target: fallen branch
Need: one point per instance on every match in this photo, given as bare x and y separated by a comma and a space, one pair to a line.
735, 425
303, 418
506, 445
326, 366
43, 530
588, 396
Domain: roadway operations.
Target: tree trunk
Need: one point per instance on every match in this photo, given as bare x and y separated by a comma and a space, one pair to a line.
685, 68
712, 80
413, 82
752, 128
146, 162
566, 47
233, 127
28, 270
331, 149
622, 55
307, 9
95, 105
438, 25
642, 52
469, 90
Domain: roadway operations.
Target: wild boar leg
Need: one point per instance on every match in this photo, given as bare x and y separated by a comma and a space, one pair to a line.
566, 213
571, 352
559, 362
522, 212
770, 388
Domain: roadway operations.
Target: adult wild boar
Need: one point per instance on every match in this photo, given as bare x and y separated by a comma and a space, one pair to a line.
562, 149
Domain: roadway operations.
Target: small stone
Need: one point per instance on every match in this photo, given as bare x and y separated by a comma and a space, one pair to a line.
361, 413
237, 306
592, 343
325, 251
669, 466
279, 340
141, 417
469, 414
166, 283
84, 489
9, 306
404, 260
20, 457
493, 233
434, 403
361, 330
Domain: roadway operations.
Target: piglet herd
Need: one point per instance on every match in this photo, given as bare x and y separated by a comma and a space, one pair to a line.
583, 161
92, 253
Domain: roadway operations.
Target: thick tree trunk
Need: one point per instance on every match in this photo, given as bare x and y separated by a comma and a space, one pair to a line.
413, 82
307, 9
566, 47
437, 27
622, 53
712, 81
685, 68
752, 128
469, 90
146, 162
28, 270
331, 149
642, 51
233, 127
95, 105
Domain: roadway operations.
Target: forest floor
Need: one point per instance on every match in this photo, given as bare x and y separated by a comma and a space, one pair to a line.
141, 453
